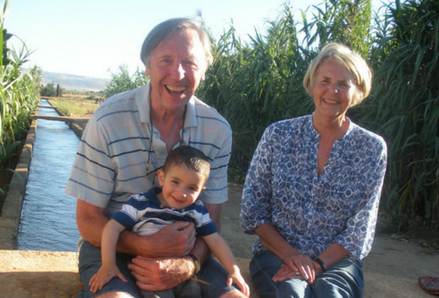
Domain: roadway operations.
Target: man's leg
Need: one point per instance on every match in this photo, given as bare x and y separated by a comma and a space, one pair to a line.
215, 277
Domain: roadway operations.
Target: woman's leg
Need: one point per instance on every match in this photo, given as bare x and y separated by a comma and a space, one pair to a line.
344, 279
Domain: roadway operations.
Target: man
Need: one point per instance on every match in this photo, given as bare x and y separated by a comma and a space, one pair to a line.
126, 140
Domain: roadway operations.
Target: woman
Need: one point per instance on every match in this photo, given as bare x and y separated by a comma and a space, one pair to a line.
313, 188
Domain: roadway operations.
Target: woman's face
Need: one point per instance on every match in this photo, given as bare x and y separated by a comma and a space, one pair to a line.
334, 89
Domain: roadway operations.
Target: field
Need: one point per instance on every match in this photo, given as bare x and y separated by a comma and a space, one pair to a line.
75, 105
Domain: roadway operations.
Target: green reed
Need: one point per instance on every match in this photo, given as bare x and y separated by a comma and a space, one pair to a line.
19, 92
253, 84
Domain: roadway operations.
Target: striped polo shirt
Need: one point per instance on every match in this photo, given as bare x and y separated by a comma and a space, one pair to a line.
117, 150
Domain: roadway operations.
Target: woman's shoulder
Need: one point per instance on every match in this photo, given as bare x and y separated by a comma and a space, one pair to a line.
367, 137
291, 124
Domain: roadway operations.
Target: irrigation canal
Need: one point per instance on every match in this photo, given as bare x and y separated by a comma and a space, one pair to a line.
48, 214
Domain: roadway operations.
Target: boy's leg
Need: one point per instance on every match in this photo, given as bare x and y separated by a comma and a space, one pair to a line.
89, 264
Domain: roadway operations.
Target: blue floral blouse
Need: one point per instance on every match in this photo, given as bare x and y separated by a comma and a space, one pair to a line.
310, 211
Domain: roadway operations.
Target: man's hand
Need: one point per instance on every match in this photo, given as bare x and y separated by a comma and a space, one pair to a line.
161, 274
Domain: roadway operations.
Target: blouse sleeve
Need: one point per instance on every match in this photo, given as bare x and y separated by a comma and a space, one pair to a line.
360, 228
255, 207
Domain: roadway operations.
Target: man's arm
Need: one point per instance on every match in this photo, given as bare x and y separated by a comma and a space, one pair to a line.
156, 275
171, 241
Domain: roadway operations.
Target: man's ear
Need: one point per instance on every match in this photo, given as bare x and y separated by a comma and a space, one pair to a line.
161, 176
147, 71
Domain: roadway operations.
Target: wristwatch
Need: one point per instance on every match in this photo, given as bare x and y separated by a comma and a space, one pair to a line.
321, 263
196, 262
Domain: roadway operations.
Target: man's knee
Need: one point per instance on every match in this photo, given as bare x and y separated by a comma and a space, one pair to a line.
233, 294
115, 295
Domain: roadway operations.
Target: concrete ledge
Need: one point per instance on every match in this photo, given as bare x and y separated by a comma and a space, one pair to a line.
50, 274
38, 274
11, 210
55, 274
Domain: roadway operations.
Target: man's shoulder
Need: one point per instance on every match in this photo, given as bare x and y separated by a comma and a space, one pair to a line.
124, 101
206, 112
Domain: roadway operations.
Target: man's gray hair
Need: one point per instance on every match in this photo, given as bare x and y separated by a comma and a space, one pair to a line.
163, 30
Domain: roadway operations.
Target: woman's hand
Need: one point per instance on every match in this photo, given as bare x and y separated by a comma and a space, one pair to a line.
296, 266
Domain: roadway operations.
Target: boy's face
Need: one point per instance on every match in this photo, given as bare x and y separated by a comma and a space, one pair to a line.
181, 186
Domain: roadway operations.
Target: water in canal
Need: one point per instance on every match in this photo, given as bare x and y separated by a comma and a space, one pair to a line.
48, 215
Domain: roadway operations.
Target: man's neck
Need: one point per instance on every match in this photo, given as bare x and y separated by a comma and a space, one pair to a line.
169, 126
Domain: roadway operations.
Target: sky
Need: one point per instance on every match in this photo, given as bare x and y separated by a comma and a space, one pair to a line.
95, 37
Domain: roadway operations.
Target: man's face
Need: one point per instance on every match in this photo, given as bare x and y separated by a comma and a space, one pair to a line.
176, 69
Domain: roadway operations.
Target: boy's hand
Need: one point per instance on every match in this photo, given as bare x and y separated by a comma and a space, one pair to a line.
103, 276
237, 279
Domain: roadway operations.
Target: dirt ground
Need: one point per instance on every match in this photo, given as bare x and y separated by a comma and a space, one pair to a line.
391, 258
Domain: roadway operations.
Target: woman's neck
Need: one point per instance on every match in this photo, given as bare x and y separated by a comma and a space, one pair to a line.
329, 127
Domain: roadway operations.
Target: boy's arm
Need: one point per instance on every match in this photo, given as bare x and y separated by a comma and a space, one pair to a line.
222, 251
110, 236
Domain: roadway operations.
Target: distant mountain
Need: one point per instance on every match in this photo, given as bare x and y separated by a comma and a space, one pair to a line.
75, 82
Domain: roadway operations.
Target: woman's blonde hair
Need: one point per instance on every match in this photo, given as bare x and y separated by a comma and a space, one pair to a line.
353, 62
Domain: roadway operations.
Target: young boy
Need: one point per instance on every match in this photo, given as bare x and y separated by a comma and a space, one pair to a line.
182, 180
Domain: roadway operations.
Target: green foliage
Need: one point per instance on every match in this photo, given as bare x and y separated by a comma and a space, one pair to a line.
404, 108
255, 85
49, 90
19, 96
123, 81
343, 21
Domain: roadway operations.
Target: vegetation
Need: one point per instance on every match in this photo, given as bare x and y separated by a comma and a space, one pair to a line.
260, 83
257, 83
123, 81
19, 92
75, 105
404, 108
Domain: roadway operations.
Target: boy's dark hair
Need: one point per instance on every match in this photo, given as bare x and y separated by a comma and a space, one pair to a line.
193, 158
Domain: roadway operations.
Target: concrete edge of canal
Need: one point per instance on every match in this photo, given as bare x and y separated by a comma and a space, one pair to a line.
11, 210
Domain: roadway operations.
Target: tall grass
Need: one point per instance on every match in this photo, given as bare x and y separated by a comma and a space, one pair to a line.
257, 83
404, 107
253, 85
19, 92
